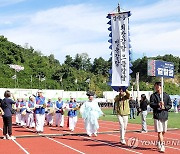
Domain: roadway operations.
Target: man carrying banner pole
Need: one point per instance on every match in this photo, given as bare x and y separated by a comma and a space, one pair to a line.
121, 50
161, 103
122, 110
159, 100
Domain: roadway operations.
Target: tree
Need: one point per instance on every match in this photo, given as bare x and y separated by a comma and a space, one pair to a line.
68, 61
86, 63
78, 62
100, 66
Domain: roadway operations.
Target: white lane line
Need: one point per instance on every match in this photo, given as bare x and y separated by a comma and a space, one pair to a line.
107, 143
21, 146
18, 144
111, 145
65, 145
173, 133
150, 135
146, 134
172, 148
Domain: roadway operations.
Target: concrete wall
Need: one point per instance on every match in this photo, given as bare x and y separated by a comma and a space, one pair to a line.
78, 95
110, 95
53, 94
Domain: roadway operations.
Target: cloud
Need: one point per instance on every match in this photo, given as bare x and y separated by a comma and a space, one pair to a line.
9, 2
81, 28
161, 9
61, 31
155, 28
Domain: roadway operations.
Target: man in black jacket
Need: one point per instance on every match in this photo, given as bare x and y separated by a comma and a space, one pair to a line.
132, 106
160, 113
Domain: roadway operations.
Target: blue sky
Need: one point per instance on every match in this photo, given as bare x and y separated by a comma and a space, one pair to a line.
63, 27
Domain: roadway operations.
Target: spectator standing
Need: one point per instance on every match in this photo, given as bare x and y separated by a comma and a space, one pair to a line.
143, 110
132, 106
6, 106
175, 104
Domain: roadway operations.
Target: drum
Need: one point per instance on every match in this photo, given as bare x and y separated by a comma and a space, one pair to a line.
51, 110
18, 109
44, 105
23, 113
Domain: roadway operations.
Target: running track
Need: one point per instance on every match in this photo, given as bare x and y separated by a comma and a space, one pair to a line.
60, 140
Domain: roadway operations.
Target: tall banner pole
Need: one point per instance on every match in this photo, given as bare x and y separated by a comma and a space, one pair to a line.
15, 77
137, 84
162, 88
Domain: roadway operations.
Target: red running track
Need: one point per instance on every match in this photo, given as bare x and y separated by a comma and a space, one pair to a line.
103, 143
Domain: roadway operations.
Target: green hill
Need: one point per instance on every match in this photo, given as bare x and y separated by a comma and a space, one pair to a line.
77, 73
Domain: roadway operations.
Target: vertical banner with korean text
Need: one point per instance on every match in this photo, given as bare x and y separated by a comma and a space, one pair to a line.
120, 49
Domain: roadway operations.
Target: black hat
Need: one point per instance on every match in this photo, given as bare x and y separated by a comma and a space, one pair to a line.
90, 93
158, 83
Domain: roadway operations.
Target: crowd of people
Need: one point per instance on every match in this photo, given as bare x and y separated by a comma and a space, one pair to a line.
159, 102
36, 112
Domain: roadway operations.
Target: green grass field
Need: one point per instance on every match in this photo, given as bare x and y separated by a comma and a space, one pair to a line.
173, 121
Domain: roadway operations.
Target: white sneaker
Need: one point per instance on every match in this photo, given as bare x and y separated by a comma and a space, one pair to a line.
95, 134
162, 149
4, 138
11, 138
123, 141
89, 135
158, 146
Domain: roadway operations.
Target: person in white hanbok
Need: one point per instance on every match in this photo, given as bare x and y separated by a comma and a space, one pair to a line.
30, 113
18, 114
90, 112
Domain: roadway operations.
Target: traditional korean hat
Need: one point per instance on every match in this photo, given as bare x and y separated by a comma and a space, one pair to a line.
40, 91
90, 93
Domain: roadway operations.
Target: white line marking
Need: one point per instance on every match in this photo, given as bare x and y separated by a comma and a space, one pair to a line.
65, 145
21, 146
107, 143
153, 136
18, 144
111, 145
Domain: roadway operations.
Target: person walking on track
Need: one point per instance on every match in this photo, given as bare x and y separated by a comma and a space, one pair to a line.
90, 112
160, 113
6, 106
122, 111
40, 112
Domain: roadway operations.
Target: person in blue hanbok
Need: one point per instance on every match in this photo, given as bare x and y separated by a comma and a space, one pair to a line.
72, 114
59, 107
40, 106
49, 112
90, 112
